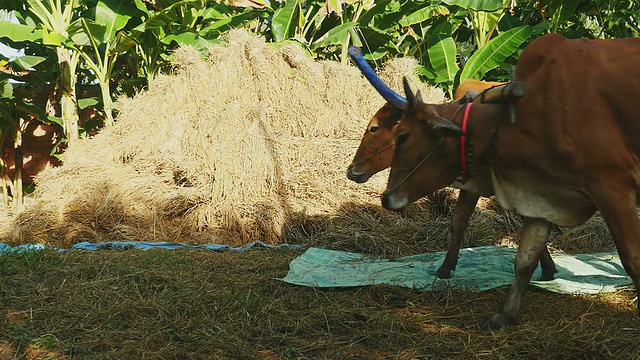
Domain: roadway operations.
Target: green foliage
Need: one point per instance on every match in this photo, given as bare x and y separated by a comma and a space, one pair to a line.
20, 261
20, 334
18, 32
442, 56
16, 106
477, 5
494, 53
284, 20
432, 31
46, 341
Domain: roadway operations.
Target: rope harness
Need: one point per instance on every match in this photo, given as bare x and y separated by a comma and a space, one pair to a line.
417, 167
465, 120
372, 156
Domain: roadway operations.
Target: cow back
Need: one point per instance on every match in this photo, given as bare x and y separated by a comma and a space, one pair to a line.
581, 108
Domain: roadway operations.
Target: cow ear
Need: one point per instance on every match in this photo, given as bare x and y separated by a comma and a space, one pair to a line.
446, 127
412, 98
418, 97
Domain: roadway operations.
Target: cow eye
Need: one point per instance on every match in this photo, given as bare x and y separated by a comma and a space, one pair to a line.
401, 138
373, 129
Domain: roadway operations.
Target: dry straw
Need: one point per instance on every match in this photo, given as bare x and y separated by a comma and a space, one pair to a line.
236, 149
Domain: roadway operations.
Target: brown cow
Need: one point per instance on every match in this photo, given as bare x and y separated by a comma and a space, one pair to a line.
473, 86
572, 150
374, 155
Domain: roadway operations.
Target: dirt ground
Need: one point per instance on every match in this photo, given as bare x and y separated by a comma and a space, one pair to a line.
199, 304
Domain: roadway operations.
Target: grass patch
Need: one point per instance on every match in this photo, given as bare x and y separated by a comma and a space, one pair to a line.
229, 305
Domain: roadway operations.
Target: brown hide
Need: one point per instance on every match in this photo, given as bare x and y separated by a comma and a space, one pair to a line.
577, 127
572, 150
376, 147
475, 86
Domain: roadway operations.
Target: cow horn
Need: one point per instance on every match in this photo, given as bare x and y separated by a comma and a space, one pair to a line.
391, 96
411, 98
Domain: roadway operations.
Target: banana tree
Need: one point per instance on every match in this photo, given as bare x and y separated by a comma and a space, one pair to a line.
46, 22
7, 125
198, 23
99, 43
16, 110
484, 16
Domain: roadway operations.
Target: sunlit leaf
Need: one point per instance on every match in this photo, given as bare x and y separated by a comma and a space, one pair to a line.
187, 38
217, 11
478, 5
336, 36
284, 20
424, 14
86, 102
254, 4
442, 56
6, 90
493, 54
18, 32
27, 62
114, 15
56, 120
83, 30
52, 37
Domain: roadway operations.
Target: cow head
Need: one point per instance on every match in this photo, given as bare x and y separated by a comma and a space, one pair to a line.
427, 154
376, 147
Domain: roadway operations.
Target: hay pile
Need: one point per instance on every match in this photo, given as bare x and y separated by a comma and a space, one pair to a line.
248, 146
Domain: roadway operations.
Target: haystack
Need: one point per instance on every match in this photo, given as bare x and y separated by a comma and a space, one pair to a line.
250, 145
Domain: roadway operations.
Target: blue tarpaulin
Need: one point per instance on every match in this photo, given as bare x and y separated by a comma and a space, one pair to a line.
140, 245
479, 268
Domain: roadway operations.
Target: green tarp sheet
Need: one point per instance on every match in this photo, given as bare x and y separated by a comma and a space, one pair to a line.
479, 268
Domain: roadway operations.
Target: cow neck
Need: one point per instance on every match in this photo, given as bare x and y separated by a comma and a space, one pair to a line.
465, 151
467, 156
467, 167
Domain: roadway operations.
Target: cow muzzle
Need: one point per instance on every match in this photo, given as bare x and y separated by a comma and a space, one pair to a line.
357, 176
394, 201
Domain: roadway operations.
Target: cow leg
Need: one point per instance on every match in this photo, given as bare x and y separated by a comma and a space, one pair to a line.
532, 242
618, 209
461, 214
547, 265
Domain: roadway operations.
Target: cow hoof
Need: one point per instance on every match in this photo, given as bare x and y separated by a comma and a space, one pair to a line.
497, 322
443, 273
546, 277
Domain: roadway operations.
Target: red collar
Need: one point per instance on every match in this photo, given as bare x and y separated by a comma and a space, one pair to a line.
465, 119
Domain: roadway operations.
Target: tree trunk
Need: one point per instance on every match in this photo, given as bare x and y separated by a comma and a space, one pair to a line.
5, 182
18, 198
108, 103
68, 101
